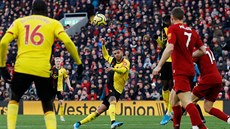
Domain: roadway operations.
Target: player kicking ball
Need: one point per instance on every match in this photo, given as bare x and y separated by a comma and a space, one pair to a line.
118, 74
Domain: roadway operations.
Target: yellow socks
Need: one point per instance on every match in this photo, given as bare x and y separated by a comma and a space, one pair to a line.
61, 110
50, 120
12, 113
169, 111
166, 95
112, 111
89, 118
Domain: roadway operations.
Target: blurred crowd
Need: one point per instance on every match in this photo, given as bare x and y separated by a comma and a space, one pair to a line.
132, 24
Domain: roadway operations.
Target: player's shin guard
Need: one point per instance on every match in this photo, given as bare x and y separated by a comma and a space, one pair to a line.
89, 118
177, 116
194, 116
219, 114
112, 111
50, 120
12, 113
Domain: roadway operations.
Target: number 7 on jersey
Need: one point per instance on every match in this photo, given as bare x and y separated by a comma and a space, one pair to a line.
188, 39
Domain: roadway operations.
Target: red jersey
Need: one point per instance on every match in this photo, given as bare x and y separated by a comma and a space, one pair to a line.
208, 69
184, 40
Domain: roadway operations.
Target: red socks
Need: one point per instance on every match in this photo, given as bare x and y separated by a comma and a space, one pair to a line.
177, 116
194, 116
219, 114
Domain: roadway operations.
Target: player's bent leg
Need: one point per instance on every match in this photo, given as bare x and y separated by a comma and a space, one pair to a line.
185, 98
91, 117
112, 112
208, 107
112, 108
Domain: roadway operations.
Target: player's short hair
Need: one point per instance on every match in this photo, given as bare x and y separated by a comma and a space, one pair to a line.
39, 7
58, 59
166, 20
178, 13
117, 48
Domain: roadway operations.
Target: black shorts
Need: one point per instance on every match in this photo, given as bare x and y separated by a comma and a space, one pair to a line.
22, 82
59, 95
166, 71
112, 92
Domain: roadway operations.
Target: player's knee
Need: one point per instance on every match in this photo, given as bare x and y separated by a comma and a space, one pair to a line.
47, 106
60, 102
112, 99
207, 108
113, 102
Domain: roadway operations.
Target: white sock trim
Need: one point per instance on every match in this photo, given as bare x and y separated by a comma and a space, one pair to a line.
195, 127
228, 121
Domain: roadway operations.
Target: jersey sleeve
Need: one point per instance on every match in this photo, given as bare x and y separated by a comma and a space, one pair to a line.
124, 68
171, 36
65, 75
58, 29
13, 29
6, 39
106, 54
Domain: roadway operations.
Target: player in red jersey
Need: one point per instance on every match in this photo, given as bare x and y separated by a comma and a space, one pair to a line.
181, 41
210, 84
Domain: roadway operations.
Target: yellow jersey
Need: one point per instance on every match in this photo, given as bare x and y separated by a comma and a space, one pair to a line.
163, 42
35, 36
121, 70
58, 76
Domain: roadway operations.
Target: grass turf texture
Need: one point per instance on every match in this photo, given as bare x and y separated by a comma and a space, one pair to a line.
103, 122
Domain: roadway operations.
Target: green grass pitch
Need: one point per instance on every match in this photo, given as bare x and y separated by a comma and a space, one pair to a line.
103, 122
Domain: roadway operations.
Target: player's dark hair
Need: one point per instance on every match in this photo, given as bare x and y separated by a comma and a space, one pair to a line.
178, 13
40, 8
166, 21
117, 48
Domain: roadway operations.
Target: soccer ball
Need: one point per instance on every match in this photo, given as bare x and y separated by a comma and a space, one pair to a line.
99, 20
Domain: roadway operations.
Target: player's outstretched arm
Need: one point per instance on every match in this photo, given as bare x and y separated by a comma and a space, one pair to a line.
71, 48
104, 51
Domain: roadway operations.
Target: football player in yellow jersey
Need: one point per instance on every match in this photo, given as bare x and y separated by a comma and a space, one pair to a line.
166, 71
118, 74
58, 74
35, 36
